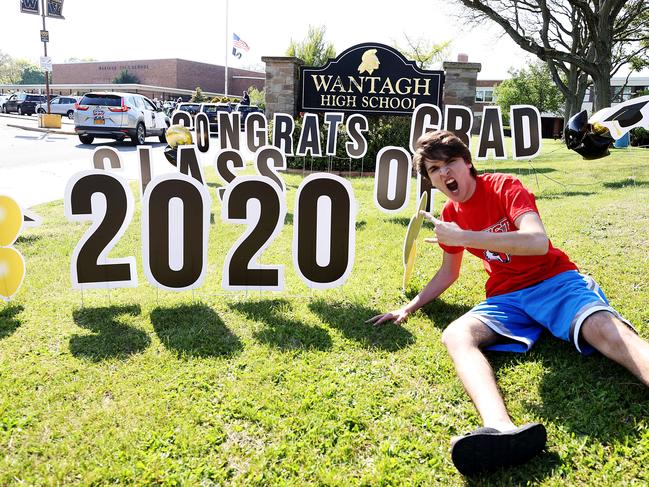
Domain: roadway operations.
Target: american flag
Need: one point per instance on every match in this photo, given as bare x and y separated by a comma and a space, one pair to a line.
239, 43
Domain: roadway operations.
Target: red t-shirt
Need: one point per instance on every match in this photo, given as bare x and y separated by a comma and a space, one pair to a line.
494, 206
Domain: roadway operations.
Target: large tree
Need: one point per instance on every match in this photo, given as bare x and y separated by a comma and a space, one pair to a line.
11, 69
32, 75
577, 38
125, 77
529, 86
314, 50
423, 51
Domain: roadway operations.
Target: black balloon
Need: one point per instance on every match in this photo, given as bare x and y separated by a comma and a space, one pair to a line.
590, 140
171, 153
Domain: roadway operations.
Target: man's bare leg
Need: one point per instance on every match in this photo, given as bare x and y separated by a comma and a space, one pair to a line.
615, 340
463, 339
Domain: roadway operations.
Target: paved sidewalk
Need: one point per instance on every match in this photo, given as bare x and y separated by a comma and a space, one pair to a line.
30, 123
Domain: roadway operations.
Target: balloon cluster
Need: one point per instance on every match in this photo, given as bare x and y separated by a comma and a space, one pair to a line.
176, 135
590, 140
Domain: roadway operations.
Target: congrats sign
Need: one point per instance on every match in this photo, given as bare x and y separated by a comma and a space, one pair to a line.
369, 78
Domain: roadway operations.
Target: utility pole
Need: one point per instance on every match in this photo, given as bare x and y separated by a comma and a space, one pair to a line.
227, 53
47, 73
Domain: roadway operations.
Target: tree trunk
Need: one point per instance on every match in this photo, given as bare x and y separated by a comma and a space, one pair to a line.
602, 87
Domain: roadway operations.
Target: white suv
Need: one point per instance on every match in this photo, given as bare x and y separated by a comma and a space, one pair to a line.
61, 105
108, 115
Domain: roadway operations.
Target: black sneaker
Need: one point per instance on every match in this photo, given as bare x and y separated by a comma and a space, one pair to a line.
487, 449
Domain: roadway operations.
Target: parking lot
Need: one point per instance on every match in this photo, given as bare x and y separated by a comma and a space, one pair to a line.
36, 166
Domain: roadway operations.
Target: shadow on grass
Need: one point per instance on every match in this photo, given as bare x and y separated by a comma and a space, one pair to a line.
589, 397
625, 183
360, 225
28, 239
194, 330
8, 321
288, 220
399, 220
350, 319
439, 311
562, 194
111, 338
281, 331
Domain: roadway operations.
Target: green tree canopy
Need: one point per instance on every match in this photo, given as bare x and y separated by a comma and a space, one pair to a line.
577, 38
124, 77
198, 96
424, 52
11, 69
257, 97
313, 50
530, 86
32, 75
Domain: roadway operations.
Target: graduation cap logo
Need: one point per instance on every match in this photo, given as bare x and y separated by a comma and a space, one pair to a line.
621, 118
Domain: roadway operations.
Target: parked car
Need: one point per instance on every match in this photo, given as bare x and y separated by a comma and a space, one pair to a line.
61, 105
3, 98
111, 115
212, 111
191, 108
22, 103
245, 110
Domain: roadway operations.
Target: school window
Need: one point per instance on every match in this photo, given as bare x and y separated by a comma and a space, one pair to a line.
484, 95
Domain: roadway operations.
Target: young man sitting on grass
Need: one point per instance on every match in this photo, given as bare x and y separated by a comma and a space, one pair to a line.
532, 285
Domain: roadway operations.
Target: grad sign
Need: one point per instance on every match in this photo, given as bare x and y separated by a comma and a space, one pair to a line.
369, 78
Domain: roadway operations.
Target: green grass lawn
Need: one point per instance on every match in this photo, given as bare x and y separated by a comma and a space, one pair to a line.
139, 386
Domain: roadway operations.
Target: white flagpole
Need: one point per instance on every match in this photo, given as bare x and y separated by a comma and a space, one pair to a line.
227, 53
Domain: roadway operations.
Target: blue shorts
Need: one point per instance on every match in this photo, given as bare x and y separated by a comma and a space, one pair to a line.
560, 305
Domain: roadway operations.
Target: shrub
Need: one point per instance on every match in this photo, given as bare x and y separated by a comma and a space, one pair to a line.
383, 131
224, 99
639, 137
197, 96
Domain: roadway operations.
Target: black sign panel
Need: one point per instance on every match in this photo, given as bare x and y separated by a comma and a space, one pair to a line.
369, 78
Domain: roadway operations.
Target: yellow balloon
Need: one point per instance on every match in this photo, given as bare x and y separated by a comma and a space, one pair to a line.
11, 221
410, 242
12, 272
178, 135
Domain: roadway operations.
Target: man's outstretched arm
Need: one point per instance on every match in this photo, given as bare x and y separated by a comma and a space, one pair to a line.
529, 238
447, 274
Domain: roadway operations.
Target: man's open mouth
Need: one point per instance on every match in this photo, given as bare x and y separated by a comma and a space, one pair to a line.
452, 185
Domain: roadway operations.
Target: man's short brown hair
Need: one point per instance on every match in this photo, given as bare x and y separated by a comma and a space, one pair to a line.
440, 145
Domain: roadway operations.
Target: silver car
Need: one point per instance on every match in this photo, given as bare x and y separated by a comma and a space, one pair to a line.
109, 115
61, 105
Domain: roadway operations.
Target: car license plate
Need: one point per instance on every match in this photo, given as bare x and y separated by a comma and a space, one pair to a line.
100, 121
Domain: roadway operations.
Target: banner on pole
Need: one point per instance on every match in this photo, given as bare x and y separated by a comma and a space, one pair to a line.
55, 9
30, 7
